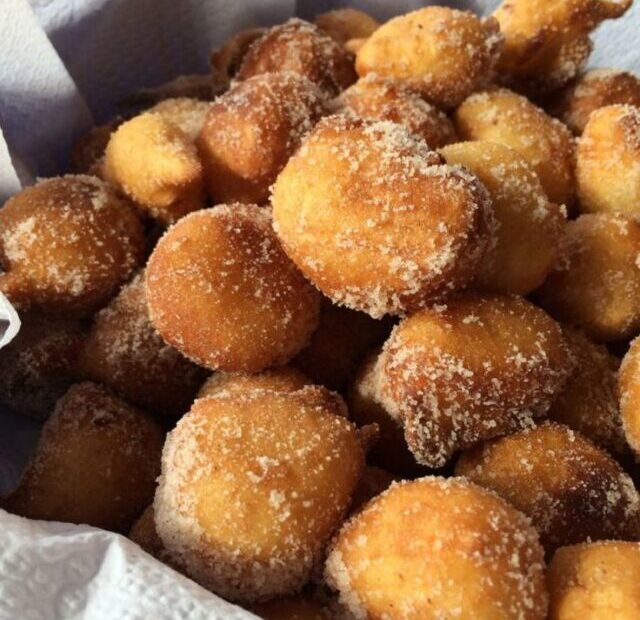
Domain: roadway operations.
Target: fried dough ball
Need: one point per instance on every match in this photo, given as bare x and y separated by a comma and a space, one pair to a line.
595, 581
124, 352
594, 90
281, 379
529, 226
337, 347
375, 221
547, 41
185, 113
380, 98
595, 284
366, 406
443, 53
143, 533
572, 490
156, 165
251, 131
96, 462
354, 45
252, 486
588, 402
66, 245
221, 291
545, 143
629, 391
347, 23
88, 152
608, 161
474, 368
226, 60
436, 548
294, 608
300, 47
36, 368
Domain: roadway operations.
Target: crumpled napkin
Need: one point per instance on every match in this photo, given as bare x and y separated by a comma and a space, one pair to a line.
66, 64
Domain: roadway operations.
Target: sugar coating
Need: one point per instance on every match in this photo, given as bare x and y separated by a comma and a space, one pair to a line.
124, 352
381, 98
374, 219
471, 369
66, 245
443, 53
251, 131
346, 24
252, 486
221, 290
438, 548
188, 114
300, 47
280, 379
572, 490
629, 391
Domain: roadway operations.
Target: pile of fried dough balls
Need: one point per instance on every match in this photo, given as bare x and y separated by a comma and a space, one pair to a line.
346, 329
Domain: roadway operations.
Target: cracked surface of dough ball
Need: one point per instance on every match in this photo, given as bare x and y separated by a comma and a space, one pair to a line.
588, 402
436, 548
375, 220
471, 369
593, 90
379, 98
300, 47
252, 486
608, 162
571, 490
185, 113
96, 462
124, 352
507, 118
337, 347
595, 581
443, 53
346, 24
251, 131
36, 367
221, 290
528, 228
156, 165
595, 283
66, 245
547, 41
281, 379
629, 391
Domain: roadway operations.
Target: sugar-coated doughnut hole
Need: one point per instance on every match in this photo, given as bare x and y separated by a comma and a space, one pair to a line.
366, 406
221, 291
253, 483
608, 161
591, 91
629, 391
251, 131
66, 245
375, 221
337, 347
156, 165
379, 98
595, 283
36, 367
302, 48
473, 368
185, 113
96, 462
505, 117
345, 24
292, 608
226, 60
588, 402
529, 227
443, 53
88, 152
572, 490
280, 379
124, 352
143, 533
547, 41
436, 548
593, 581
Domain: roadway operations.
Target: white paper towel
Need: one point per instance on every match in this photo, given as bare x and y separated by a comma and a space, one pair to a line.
62, 61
